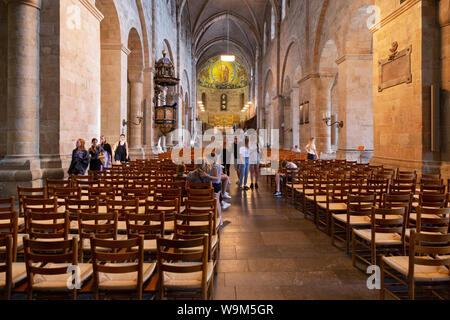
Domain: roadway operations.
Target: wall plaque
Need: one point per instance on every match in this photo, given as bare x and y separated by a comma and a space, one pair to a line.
396, 69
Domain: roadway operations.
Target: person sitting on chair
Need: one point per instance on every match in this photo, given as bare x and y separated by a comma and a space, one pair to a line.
279, 176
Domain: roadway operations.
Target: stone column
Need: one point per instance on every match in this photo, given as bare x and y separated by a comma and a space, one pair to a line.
320, 86
355, 87
136, 78
21, 165
23, 59
295, 116
444, 22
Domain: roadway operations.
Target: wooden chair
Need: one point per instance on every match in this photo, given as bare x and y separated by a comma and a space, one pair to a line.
123, 207
11, 273
357, 216
30, 193
51, 184
122, 269
337, 198
426, 267
9, 225
50, 264
183, 272
73, 207
150, 226
386, 235
169, 207
100, 225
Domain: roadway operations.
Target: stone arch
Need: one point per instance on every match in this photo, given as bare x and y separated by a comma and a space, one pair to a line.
291, 59
113, 77
135, 83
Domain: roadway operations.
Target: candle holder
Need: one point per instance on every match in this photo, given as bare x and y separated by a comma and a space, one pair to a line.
140, 118
328, 121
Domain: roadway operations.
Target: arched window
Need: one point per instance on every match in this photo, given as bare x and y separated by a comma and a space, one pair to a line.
283, 9
272, 29
265, 38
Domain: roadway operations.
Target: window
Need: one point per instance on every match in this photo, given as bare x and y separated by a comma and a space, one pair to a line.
272, 29
265, 38
283, 9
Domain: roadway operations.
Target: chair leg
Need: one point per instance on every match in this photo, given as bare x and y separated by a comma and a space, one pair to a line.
382, 293
353, 248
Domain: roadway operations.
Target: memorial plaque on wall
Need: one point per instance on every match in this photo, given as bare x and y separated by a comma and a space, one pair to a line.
396, 69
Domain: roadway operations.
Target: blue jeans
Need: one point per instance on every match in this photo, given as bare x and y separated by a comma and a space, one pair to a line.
245, 168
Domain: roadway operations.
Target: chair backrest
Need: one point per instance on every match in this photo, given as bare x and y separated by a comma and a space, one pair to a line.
360, 205
102, 225
428, 250
6, 259
433, 200
436, 188
51, 184
61, 194
389, 220
397, 201
130, 194
103, 194
73, 207
200, 194
9, 223
433, 220
403, 186
47, 225
123, 207
150, 226
30, 193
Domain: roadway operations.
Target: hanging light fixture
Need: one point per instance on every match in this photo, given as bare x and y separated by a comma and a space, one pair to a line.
228, 57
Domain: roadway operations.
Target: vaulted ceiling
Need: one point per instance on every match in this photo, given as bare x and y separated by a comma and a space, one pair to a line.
210, 20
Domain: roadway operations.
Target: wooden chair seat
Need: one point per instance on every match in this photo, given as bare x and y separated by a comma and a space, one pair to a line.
124, 281
187, 281
318, 198
59, 282
408, 232
150, 245
380, 238
413, 216
354, 220
333, 206
19, 273
87, 242
421, 273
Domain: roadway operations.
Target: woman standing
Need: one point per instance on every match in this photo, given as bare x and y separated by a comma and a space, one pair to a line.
121, 150
255, 160
80, 160
108, 152
214, 175
97, 154
311, 149
245, 167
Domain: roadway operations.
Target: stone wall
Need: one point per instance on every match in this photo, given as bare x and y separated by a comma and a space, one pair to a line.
213, 102
3, 76
79, 77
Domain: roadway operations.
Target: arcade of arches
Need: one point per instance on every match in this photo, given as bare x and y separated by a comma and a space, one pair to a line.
79, 68
377, 70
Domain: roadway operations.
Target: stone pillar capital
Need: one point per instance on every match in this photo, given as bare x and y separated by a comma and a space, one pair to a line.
136, 74
34, 3
444, 13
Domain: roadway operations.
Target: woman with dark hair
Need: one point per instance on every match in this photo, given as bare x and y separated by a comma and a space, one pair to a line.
121, 150
97, 154
80, 160
108, 152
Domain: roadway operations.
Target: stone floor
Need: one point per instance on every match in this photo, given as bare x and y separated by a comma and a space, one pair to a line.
270, 252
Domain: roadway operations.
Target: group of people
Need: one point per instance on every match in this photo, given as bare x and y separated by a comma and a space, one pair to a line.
99, 156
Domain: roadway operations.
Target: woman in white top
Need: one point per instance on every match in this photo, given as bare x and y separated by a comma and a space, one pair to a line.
255, 160
311, 149
245, 166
